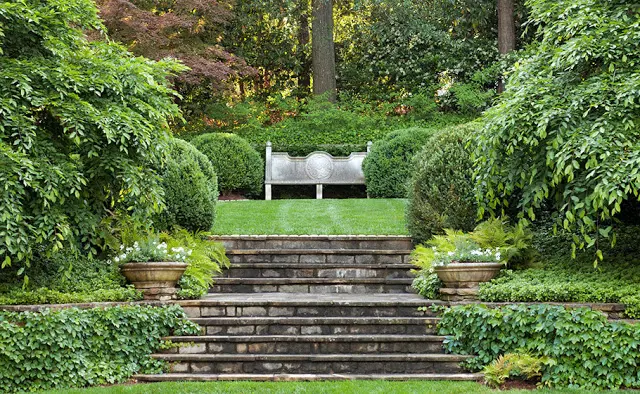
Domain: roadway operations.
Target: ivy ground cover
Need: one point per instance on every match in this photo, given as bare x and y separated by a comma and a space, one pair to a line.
326, 217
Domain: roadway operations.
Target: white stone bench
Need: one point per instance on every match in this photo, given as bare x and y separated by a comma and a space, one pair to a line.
317, 168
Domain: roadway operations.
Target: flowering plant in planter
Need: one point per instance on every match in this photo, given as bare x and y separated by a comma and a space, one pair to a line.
461, 261
151, 249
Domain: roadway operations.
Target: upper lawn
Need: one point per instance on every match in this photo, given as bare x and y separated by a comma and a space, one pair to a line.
325, 217
346, 387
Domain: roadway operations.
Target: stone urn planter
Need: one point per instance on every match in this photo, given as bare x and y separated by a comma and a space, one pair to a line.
156, 280
462, 280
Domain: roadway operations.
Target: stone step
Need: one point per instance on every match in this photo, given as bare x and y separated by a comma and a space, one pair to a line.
319, 256
308, 305
314, 363
297, 270
394, 242
311, 285
317, 325
308, 344
201, 377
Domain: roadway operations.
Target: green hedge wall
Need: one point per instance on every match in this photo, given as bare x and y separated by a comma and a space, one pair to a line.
83, 347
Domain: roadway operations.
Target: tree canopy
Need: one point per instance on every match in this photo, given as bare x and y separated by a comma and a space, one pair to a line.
565, 135
81, 125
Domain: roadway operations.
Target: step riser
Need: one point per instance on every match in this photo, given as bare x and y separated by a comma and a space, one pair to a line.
310, 288
318, 244
343, 259
302, 272
359, 367
284, 329
307, 311
257, 347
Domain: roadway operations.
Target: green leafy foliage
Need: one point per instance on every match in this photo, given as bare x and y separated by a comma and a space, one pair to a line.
238, 166
82, 125
388, 167
514, 366
563, 279
190, 189
205, 261
589, 351
565, 133
441, 190
64, 278
426, 283
84, 347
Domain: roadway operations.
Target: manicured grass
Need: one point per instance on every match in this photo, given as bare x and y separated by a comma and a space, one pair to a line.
326, 217
346, 387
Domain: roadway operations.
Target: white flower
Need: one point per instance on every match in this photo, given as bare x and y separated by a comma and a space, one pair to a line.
116, 259
121, 247
450, 253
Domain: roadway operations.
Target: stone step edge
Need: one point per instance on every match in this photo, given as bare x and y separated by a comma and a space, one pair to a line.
312, 237
168, 377
305, 303
322, 265
307, 338
359, 252
316, 321
321, 281
432, 357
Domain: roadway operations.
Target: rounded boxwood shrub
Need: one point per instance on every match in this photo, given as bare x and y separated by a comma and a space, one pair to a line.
388, 166
190, 189
441, 189
238, 165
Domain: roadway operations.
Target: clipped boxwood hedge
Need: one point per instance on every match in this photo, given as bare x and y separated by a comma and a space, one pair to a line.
84, 347
388, 167
239, 167
441, 189
190, 189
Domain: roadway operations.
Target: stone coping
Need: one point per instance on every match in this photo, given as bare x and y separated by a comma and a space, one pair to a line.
279, 299
345, 237
318, 251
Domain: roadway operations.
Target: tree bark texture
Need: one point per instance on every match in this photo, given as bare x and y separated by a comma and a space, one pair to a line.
506, 26
323, 51
304, 78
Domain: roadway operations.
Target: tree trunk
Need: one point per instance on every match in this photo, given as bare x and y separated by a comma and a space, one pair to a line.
304, 78
506, 31
323, 51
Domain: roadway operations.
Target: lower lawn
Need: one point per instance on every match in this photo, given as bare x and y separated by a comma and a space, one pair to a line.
326, 217
346, 387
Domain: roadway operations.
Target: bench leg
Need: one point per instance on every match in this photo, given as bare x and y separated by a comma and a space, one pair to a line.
267, 192
318, 192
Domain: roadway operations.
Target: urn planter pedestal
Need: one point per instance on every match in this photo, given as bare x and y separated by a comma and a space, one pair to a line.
461, 281
156, 280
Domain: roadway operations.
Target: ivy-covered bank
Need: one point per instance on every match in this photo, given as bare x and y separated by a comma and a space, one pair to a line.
578, 348
84, 347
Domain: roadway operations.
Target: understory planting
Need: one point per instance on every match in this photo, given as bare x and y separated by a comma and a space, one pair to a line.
84, 347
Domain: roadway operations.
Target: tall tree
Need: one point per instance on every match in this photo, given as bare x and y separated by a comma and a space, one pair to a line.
323, 50
304, 76
506, 26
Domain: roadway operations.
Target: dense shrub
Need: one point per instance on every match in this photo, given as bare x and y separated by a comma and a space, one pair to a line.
427, 284
77, 348
564, 135
238, 166
83, 125
190, 189
64, 278
441, 189
388, 167
587, 350
564, 279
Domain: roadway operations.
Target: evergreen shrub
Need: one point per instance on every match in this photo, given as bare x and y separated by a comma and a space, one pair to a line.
238, 166
388, 166
190, 189
441, 189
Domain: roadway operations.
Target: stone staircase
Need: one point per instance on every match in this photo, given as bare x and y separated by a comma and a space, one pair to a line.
312, 308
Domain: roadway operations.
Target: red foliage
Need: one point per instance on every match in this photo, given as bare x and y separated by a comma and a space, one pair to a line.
188, 30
